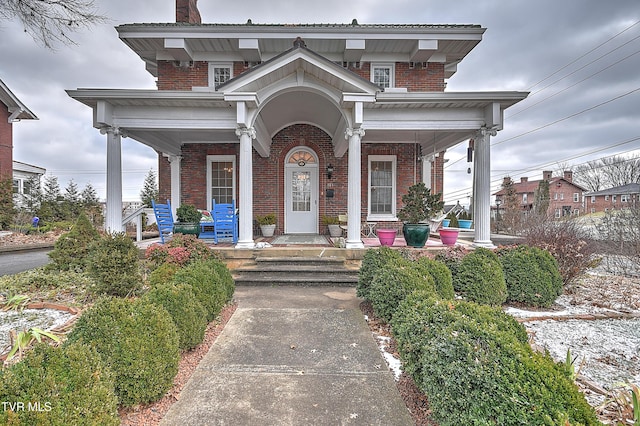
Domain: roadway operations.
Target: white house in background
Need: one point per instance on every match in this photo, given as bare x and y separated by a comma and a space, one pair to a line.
23, 174
300, 120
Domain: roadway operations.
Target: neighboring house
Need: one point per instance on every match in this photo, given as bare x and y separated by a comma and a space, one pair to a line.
11, 111
23, 174
300, 120
618, 198
565, 196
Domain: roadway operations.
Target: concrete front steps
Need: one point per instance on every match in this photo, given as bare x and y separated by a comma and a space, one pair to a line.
300, 270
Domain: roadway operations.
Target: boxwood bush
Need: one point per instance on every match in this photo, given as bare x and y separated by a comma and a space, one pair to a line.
70, 384
442, 278
394, 282
137, 340
373, 261
531, 275
479, 278
211, 282
186, 311
475, 365
114, 265
71, 249
163, 274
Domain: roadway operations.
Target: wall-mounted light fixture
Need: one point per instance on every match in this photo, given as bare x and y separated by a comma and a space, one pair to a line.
329, 171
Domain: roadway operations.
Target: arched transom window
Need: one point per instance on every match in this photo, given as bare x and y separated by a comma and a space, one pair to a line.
301, 157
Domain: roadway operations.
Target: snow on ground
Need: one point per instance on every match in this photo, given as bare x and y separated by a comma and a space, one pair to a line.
45, 319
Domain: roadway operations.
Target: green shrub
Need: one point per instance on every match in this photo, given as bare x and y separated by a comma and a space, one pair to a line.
186, 312
163, 274
71, 249
479, 278
442, 278
373, 261
211, 290
531, 275
475, 365
114, 265
71, 385
395, 282
452, 256
139, 343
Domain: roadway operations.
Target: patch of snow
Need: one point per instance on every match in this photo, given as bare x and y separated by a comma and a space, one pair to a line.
564, 309
45, 319
395, 365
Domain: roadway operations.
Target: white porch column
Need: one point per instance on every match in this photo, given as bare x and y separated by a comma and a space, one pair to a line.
482, 188
174, 164
245, 205
354, 206
427, 164
113, 214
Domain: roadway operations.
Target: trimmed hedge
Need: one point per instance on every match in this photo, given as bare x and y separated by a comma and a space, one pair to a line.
163, 274
531, 275
113, 262
70, 385
186, 311
137, 340
212, 284
373, 261
477, 368
479, 278
71, 249
442, 278
395, 282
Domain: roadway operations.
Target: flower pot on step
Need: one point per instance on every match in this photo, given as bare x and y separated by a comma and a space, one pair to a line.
416, 234
448, 236
267, 230
464, 223
386, 236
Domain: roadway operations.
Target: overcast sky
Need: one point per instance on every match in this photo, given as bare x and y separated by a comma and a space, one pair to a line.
579, 59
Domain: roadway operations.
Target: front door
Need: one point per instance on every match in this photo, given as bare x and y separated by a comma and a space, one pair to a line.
301, 194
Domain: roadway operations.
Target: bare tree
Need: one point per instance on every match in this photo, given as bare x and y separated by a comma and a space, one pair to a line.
51, 21
608, 172
589, 176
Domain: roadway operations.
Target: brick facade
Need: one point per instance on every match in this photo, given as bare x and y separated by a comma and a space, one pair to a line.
6, 143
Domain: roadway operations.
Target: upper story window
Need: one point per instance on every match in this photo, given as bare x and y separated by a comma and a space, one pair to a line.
624, 198
613, 198
606, 198
576, 197
524, 198
220, 73
593, 199
383, 75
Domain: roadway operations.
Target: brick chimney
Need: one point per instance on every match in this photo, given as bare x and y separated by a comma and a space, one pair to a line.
187, 12
568, 175
546, 175
524, 179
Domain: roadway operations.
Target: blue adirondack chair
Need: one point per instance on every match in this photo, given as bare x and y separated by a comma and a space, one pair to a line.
164, 219
225, 221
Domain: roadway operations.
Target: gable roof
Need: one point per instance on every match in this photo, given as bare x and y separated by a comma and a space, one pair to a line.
16, 108
530, 186
630, 188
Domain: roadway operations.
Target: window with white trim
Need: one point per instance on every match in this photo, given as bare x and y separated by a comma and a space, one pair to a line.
576, 197
16, 186
524, 198
220, 73
606, 198
613, 198
221, 179
383, 75
593, 199
382, 187
624, 198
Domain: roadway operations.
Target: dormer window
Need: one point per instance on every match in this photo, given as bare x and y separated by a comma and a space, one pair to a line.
383, 75
219, 73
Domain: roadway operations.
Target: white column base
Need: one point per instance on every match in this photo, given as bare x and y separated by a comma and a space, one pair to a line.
245, 245
354, 245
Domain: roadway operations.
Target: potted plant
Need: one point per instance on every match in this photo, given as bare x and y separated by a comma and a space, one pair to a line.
464, 220
420, 205
333, 222
386, 236
188, 220
267, 224
449, 233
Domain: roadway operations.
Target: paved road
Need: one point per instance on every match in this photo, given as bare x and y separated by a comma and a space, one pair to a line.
18, 261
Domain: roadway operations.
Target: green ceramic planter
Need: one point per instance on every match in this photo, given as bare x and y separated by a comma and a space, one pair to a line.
416, 234
186, 228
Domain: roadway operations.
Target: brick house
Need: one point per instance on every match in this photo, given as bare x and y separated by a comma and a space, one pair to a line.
617, 198
11, 111
299, 120
565, 196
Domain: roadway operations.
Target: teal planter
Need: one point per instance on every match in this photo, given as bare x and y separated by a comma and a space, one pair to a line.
187, 228
416, 234
464, 224
446, 222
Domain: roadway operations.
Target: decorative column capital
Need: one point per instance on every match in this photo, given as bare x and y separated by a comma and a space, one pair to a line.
246, 131
485, 131
113, 130
173, 158
351, 132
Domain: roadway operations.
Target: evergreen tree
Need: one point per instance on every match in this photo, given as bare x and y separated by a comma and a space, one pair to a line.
32, 196
89, 196
6, 202
50, 207
511, 205
541, 198
71, 204
150, 189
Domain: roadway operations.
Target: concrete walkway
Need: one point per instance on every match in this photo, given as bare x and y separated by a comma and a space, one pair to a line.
292, 356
